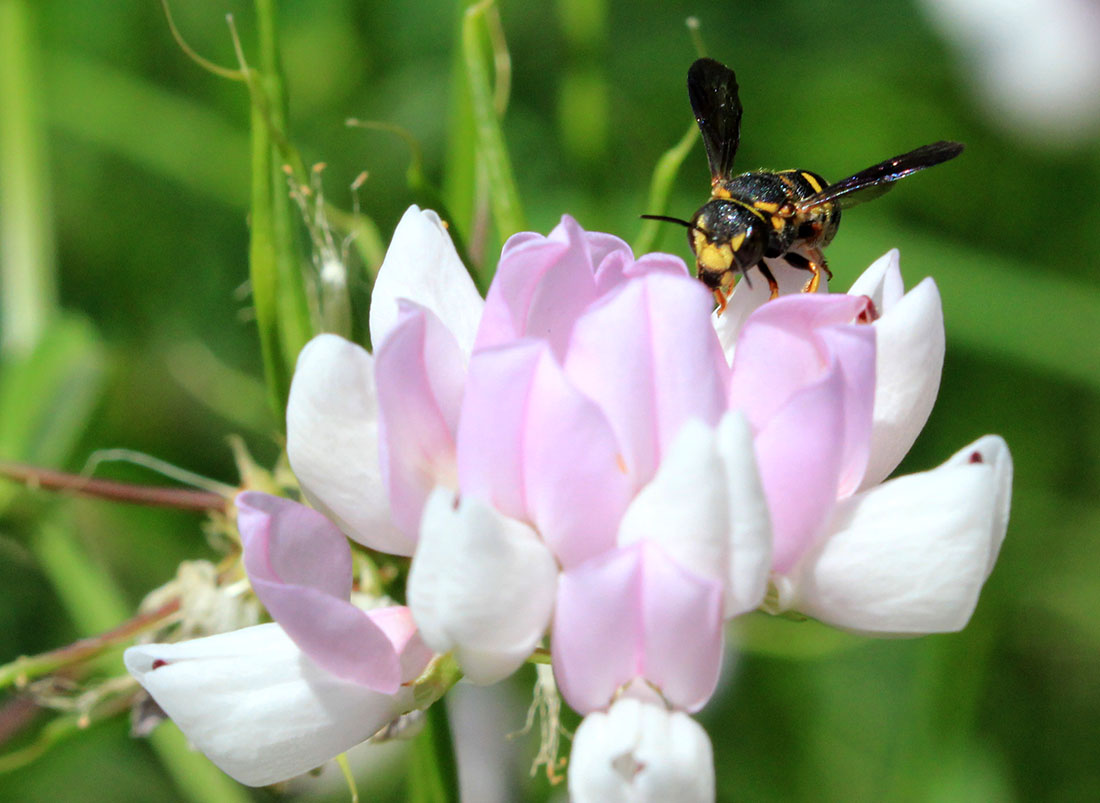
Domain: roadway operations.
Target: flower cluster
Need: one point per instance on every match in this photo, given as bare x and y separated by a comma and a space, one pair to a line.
587, 453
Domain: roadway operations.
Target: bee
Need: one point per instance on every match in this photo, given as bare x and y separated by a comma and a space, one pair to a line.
764, 214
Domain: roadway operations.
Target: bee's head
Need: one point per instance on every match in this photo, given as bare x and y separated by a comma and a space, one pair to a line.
727, 239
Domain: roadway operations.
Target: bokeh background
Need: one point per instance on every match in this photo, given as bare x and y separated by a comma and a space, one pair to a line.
133, 184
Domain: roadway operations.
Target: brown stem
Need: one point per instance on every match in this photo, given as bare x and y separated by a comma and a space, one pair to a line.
179, 498
23, 669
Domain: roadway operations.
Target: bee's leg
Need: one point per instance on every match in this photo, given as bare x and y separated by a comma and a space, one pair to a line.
773, 285
721, 298
815, 264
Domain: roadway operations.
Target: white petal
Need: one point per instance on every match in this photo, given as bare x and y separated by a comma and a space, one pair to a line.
749, 521
908, 363
423, 266
684, 508
992, 451
881, 282
332, 441
481, 585
639, 752
910, 556
256, 705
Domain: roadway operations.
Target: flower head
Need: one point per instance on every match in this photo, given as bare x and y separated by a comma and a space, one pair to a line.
588, 453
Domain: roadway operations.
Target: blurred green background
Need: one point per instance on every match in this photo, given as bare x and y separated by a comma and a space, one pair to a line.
130, 175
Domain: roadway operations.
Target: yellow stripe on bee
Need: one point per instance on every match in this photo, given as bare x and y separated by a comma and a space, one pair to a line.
812, 181
736, 240
778, 223
766, 206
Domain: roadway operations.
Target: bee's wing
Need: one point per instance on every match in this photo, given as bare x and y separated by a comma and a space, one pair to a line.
712, 89
876, 180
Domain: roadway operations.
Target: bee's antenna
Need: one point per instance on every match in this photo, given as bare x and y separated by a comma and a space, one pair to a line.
668, 219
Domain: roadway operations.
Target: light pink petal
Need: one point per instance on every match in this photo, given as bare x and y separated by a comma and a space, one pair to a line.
299, 565
481, 586
493, 425
649, 357
420, 374
537, 449
781, 349
791, 343
577, 486
800, 452
332, 442
910, 348
258, 707
640, 752
853, 347
284, 539
422, 266
635, 613
541, 286
746, 300
910, 556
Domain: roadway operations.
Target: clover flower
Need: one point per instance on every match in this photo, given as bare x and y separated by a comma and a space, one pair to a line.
589, 453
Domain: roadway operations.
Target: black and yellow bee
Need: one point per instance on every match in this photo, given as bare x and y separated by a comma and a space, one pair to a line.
791, 214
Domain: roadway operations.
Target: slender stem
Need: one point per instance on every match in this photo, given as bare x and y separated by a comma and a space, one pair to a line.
660, 186
504, 195
51, 480
23, 670
433, 771
27, 268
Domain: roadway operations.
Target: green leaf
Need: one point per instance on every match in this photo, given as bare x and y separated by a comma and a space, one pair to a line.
47, 395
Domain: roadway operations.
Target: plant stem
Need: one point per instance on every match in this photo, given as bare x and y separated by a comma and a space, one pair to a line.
51, 480
433, 771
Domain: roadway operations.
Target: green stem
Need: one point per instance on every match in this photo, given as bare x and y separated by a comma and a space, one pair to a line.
659, 188
96, 604
433, 771
27, 270
504, 195
278, 285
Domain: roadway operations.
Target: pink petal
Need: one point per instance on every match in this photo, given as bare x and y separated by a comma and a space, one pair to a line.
649, 357
635, 613
420, 373
332, 442
422, 266
800, 452
746, 300
541, 286
299, 565
540, 451
791, 343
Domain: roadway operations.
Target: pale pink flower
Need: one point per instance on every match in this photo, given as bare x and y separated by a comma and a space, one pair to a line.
272, 701
589, 450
